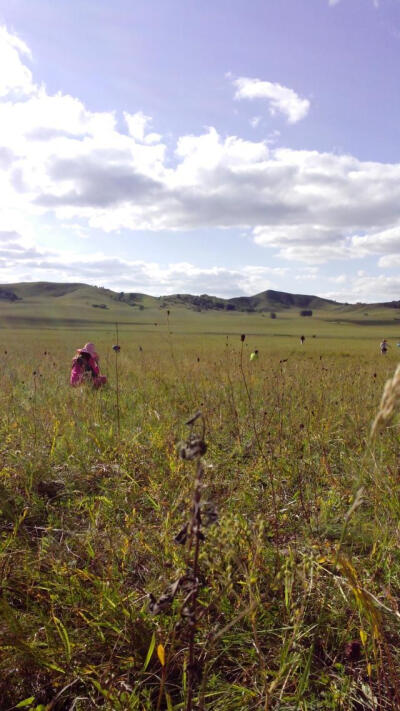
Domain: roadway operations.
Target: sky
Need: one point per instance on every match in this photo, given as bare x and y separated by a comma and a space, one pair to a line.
222, 147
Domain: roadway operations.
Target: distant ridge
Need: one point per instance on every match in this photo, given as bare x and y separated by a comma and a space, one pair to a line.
100, 297
281, 299
269, 300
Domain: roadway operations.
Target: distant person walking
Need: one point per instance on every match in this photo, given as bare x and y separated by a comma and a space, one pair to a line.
384, 347
302, 339
254, 355
85, 367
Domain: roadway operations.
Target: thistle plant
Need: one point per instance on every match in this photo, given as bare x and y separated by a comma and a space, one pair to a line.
116, 349
191, 535
193, 449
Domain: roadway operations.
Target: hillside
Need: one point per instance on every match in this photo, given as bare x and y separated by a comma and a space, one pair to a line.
267, 300
54, 305
101, 298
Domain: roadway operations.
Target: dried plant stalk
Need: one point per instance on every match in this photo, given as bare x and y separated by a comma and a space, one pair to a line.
389, 403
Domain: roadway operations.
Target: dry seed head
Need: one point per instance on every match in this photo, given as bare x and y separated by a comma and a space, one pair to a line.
389, 403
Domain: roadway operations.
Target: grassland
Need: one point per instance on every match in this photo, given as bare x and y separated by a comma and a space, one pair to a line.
289, 602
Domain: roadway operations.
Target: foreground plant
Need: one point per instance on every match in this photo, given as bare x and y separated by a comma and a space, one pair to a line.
389, 403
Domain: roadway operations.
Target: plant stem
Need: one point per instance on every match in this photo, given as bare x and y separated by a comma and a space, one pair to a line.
117, 384
195, 532
260, 448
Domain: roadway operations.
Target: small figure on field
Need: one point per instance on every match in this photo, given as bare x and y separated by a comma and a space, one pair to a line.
302, 339
254, 355
85, 367
384, 346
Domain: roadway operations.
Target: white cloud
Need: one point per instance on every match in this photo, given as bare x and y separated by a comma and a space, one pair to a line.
309, 243
380, 241
390, 261
254, 121
332, 3
280, 98
137, 124
14, 250
368, 289
307, 273
340, 279
76, 228
273, 137
15, 76
59, 157
26, 263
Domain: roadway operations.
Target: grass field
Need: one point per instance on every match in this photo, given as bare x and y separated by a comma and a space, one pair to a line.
283, 591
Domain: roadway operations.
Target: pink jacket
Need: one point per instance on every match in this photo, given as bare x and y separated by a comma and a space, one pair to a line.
82, 370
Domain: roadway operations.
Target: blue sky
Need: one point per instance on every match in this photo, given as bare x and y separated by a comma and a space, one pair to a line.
217, 147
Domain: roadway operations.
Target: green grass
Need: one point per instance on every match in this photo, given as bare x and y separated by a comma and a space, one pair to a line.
297, 602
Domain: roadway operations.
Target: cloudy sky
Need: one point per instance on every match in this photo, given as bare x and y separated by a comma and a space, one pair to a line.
221, 146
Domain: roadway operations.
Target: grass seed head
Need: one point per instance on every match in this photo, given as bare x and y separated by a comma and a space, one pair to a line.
389, 403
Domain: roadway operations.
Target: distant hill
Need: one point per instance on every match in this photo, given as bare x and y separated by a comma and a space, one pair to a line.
270, 300
102, 298
40, 290
93, 297
265, 301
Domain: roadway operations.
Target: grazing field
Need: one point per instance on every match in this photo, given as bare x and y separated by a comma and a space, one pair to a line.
260, 573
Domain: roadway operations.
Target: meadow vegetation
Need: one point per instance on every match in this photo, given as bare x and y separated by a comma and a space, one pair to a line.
246, 560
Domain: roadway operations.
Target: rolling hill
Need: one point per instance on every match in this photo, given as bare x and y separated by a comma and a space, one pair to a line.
57, 305
101, 298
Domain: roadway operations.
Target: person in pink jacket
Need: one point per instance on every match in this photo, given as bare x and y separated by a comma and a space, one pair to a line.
85, 367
